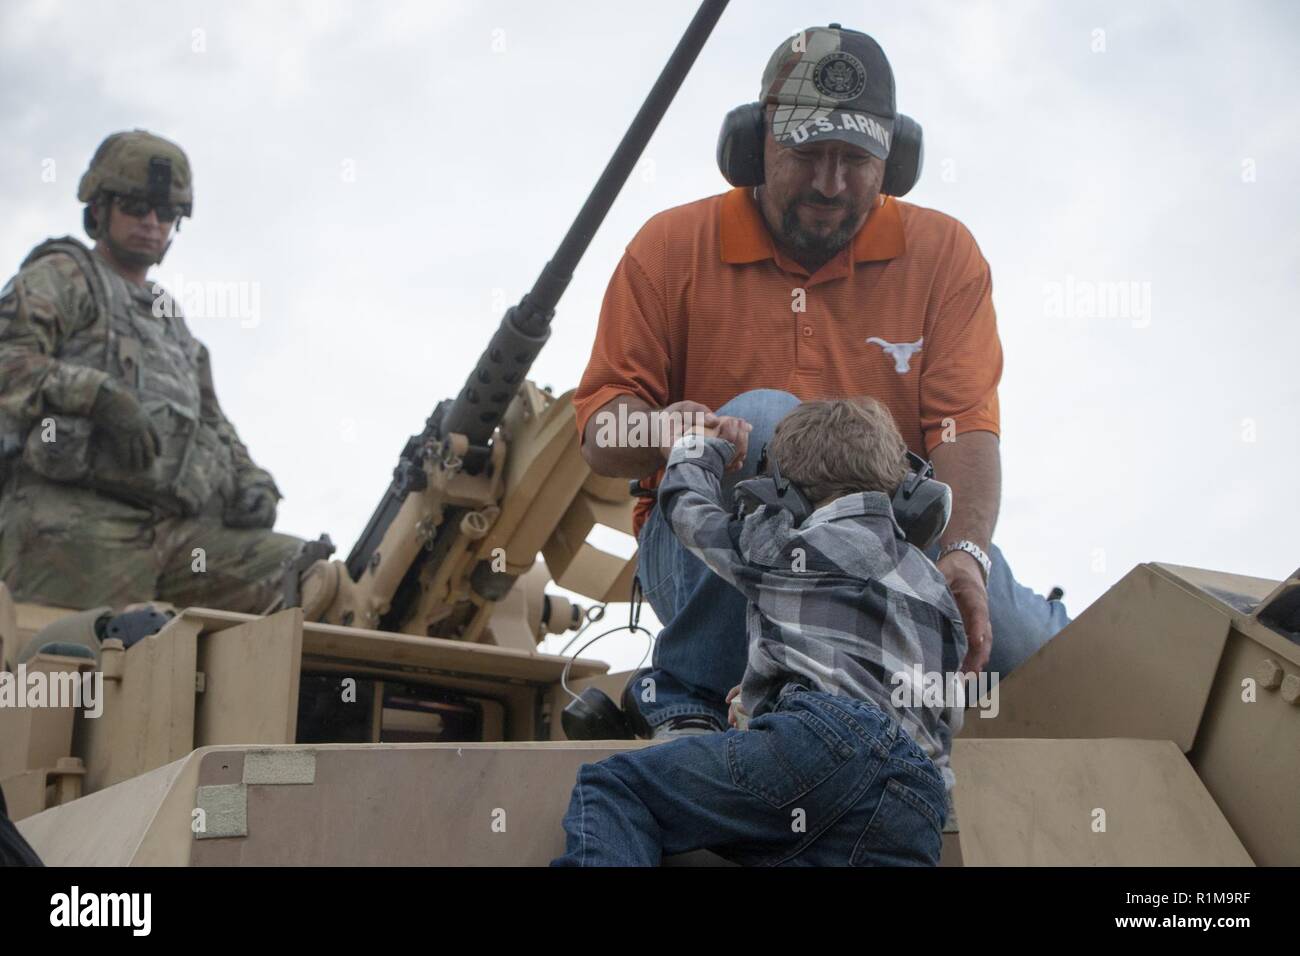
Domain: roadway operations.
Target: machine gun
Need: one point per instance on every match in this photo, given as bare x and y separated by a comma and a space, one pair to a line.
496, 474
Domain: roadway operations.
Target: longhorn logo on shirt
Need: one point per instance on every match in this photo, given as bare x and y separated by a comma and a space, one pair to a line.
900, 352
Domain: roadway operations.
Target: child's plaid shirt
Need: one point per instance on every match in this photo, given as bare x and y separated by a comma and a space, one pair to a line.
843, 603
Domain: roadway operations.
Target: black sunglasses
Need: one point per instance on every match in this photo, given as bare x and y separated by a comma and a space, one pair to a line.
139, 208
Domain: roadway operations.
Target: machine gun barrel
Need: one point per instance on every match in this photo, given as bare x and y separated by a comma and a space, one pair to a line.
479, 407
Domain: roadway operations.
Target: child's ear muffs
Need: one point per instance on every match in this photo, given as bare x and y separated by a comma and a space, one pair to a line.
922, 503
740, 150
770, 487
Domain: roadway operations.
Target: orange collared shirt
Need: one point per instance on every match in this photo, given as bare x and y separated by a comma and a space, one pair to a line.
703, 306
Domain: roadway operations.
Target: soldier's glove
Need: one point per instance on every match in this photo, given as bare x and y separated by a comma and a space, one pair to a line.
252, 507
126, 425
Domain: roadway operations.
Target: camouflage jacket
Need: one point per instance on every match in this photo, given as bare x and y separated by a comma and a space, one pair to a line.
68, 323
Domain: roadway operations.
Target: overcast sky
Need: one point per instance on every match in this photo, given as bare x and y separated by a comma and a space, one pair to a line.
386, 177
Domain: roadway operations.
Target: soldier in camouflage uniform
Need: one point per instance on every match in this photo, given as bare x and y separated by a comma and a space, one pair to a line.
123, 480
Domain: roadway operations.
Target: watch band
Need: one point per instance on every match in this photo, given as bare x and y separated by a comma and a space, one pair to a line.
974, 550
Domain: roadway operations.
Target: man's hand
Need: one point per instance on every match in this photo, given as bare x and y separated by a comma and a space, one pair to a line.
677, 419
127, 427
966, 582
252, 507
683, 418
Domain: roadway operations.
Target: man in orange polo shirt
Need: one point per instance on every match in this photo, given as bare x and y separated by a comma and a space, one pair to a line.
816, 282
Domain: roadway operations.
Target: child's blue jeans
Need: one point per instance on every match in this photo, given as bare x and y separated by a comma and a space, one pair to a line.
821, 780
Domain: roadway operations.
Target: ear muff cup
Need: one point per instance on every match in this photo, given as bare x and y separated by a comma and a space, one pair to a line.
922, 503
922, 507
593, 716
906, 154
740, 150
88, 222
740, 145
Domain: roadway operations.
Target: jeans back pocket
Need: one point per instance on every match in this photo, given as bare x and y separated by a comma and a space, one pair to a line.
785, 754
905, 830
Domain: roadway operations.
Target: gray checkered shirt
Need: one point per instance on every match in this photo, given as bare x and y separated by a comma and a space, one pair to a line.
842, 604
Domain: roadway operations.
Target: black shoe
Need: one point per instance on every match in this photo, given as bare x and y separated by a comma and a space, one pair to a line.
1055, 594
687, 726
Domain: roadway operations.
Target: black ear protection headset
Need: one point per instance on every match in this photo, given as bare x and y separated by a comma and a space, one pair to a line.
922, 504
592, 715
740, 150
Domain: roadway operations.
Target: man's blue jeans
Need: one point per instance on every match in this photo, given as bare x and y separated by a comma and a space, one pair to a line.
820, 780
701, 651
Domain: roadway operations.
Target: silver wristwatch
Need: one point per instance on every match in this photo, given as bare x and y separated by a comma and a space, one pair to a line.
974, 550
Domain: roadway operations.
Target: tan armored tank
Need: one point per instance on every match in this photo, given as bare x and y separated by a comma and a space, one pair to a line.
396, 709
1161, 727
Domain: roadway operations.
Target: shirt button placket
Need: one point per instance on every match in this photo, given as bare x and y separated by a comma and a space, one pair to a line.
806, 356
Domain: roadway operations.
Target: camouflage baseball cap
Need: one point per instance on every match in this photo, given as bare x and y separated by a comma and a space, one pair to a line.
140, 164
829, 83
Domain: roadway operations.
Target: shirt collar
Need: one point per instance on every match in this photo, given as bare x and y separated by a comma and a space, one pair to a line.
862, 504
745, 236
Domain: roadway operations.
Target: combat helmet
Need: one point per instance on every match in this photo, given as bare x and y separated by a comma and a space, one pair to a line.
139, 164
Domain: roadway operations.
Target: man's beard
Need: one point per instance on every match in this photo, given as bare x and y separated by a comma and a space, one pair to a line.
818, 246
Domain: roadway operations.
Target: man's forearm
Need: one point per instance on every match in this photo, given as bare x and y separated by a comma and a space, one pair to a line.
972, 467
618, 443
33, 384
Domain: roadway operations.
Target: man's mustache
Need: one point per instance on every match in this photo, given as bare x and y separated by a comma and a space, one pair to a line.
813, 199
